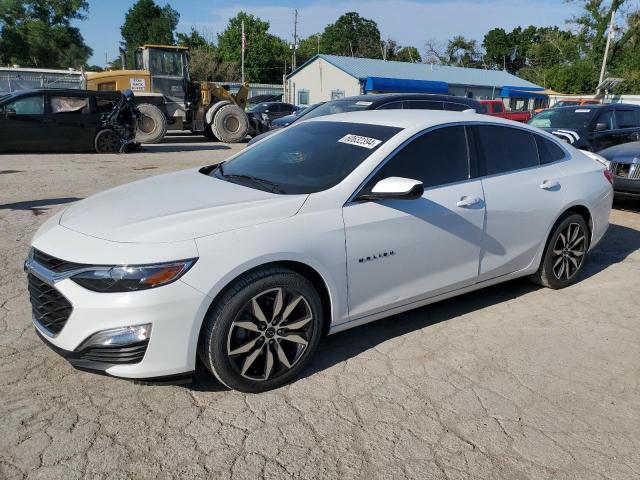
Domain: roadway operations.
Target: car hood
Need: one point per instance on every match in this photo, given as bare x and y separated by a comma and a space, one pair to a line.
623, 153
174, 207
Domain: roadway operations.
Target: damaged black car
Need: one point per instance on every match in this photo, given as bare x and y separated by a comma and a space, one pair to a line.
67, 120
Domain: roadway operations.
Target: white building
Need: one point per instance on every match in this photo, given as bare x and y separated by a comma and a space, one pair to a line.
327, 77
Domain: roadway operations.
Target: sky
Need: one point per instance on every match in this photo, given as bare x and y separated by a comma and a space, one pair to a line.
409, 22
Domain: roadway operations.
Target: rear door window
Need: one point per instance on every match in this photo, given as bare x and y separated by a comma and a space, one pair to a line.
436, 158
548, 151
625, 119
504, 149
77, 105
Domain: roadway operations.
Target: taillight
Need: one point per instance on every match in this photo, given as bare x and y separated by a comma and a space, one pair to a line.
608, 175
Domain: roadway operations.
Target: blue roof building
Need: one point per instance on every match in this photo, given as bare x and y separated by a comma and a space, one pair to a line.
326, 77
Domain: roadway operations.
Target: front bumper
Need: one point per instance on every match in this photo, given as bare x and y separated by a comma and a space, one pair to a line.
174, 312
627, 187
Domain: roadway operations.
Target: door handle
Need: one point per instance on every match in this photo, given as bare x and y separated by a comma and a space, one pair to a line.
549, 184
467, 201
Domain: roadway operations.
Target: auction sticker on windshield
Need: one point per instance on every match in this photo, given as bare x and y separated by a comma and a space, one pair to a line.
363, 103
359, 141
582, 110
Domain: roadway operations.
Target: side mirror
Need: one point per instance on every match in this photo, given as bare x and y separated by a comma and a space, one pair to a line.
395, 188
10, 112
601, 127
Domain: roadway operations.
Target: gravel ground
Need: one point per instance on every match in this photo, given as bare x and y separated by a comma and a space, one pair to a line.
513, 381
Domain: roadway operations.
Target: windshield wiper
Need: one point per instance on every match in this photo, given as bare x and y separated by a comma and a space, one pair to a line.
272, 186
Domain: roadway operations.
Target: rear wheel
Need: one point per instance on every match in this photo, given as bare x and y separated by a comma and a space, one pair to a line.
152, 125
230, 124
564, 254
107, 141
263, 330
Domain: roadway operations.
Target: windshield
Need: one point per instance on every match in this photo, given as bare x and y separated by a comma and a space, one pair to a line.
563, 118
167, 63
259, 108
305, 158
338, 106
566, 103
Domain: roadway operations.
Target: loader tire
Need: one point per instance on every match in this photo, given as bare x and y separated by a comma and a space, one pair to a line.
230, 124
152, 127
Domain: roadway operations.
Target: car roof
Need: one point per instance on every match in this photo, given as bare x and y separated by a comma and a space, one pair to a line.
598, 106
379, 98
413, 119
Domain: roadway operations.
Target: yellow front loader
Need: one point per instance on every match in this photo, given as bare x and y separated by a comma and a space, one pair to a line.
168, 98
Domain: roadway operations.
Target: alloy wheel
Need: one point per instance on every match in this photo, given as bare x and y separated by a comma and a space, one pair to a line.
568, 251
270, 334
108, 142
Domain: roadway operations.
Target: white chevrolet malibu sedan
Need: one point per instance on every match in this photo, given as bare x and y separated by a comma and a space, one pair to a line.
326, 225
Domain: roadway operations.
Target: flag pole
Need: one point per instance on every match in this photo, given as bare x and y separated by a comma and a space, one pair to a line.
244, 41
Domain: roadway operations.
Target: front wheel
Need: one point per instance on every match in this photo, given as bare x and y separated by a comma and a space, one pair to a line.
151, 127
107, 141
262, 331
564, 254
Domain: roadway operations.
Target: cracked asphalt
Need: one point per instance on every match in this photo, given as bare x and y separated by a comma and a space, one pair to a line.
513, 382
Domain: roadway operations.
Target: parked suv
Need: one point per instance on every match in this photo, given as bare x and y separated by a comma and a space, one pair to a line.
592, 127
55, 120
390, 101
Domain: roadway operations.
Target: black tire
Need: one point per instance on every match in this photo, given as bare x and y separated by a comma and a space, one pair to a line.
225, 333
230, 124
209, 135
152, 127
564, 253
107, 141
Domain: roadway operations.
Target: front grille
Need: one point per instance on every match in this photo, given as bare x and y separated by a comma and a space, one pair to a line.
48, 306
630, 171
55, 264
132, 353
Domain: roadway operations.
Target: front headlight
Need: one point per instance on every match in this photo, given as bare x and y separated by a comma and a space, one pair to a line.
128, 278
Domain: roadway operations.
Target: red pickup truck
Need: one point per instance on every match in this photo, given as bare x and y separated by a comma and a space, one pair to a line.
495, 108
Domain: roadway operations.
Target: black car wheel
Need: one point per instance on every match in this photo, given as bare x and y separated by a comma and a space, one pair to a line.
107, 141
262, 331
565, 253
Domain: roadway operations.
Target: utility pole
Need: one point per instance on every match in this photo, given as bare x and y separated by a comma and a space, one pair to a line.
606, 48
244, 44
295, 37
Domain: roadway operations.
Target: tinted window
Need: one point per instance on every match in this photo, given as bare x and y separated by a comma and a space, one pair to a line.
625, 119
105, 104
306, 158
503, 149
423, 105
606, 118
498, 107
456, 107
27, 106
548, 151
340, 106
566, 117
391, 106
436, 158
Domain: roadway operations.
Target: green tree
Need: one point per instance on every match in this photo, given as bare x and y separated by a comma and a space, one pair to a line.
462, 52
307, 48
38, 33
146, 22
352, 35
407, 54
265, 54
